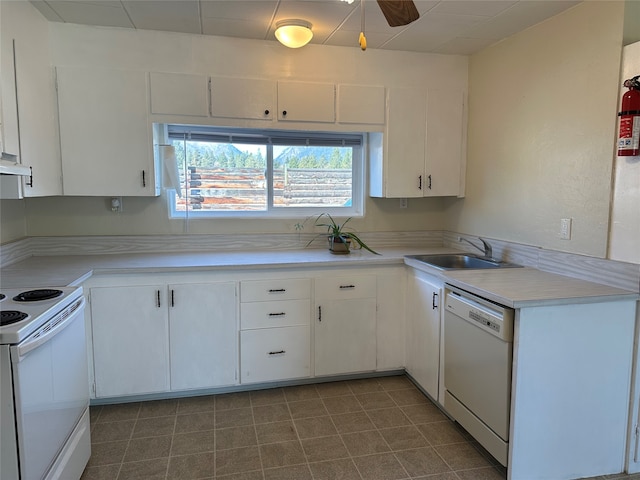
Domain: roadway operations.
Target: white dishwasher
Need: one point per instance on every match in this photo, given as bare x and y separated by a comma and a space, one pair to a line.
478, 349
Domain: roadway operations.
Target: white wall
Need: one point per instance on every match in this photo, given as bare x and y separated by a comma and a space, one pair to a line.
624, 240
542, 115
171, 52
14, 220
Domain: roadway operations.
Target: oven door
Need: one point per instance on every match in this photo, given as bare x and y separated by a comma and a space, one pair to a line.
51, 390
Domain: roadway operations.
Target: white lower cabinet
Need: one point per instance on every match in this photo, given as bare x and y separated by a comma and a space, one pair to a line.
424, 294
275, 353
160, 338
345, 324
203, 333
275, 337
130, 328
181, 332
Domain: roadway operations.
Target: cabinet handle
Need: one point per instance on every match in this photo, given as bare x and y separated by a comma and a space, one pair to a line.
172, 298
284, 113
319, 313
346, 287
279, 352
277, 290
429, 186
144, 180
420, 182
30, 182
434, 305
158, 298
281, 314
266, 112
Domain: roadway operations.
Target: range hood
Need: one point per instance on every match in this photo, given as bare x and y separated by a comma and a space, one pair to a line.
9, 166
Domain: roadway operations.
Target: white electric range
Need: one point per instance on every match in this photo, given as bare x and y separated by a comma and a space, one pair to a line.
44, 387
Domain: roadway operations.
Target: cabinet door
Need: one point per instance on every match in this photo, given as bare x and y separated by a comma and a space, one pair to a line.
391, 329
306, 102
30, 102
243, 98
423, 332
345, 336
363, 104
445, 147
404, 148
203, 329
105, 133
178, 94
130, 340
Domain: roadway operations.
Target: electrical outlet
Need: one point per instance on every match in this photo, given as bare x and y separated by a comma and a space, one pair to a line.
116, 204
565, 228
403, 203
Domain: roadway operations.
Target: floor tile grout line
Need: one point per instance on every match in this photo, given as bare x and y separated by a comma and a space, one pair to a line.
255, 433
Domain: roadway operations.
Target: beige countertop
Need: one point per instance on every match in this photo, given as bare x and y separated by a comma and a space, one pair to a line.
513, 287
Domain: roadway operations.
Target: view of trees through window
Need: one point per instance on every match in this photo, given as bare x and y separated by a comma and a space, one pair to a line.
236, 177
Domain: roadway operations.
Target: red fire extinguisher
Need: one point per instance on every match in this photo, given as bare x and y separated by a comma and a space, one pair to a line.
629, 137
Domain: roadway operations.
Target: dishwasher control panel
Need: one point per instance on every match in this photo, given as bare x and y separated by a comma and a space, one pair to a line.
484, 319
493, 318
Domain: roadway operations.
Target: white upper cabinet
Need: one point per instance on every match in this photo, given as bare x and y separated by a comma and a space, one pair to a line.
245, 98
306, 102
29, 124
446, 143
397, 168
179, 94
363, 104
422, 152
105, 133
239, 98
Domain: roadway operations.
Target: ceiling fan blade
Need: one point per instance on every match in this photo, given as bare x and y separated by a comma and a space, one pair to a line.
399, 12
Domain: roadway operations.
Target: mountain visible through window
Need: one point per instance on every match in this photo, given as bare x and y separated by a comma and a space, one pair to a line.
267, 175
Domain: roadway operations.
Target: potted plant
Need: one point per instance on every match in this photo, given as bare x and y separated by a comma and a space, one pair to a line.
338, 236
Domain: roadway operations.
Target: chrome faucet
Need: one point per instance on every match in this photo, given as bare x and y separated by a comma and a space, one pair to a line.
487, 250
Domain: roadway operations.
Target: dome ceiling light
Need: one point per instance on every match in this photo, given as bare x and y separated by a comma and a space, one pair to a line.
294, 33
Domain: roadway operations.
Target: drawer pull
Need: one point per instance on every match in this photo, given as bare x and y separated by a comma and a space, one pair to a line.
279, 352
345, 287
277, 290
280, 314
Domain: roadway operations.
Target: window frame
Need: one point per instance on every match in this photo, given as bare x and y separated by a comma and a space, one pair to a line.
356, 140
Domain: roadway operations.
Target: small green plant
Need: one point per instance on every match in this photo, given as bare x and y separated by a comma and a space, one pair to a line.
338, 233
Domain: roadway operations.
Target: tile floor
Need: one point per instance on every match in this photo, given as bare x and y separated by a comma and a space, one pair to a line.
370, 429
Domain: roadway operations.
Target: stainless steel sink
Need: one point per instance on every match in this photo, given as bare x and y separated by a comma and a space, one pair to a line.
460, 261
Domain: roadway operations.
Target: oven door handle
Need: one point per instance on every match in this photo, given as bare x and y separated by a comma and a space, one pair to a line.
64, 319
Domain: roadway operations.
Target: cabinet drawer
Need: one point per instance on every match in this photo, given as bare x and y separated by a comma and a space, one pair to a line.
267, 290
274, 314
274, 354
352, 286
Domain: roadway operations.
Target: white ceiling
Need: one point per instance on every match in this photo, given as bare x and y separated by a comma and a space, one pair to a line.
445, 26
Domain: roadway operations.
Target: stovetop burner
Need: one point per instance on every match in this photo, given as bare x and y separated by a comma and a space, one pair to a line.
2, 296
35, 295
8, 317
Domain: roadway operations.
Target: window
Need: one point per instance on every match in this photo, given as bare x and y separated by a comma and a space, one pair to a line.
265, 173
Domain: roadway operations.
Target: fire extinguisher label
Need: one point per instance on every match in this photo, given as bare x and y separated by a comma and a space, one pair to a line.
629, 133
